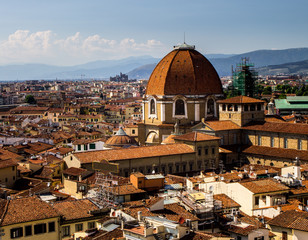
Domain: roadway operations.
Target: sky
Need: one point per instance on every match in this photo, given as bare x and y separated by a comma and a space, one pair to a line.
70, 32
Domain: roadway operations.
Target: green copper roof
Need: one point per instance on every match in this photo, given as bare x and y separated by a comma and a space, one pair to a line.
298, 99
293, 104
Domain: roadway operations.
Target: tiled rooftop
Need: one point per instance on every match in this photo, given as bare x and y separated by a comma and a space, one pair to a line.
26, 210
133, 153
264, 186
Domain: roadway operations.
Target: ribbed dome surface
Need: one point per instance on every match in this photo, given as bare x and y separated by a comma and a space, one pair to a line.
121, 139
186, 72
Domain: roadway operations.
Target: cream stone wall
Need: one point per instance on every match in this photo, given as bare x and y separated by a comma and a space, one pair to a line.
278, 232
72, 227
299, 235
72, 161
240, 117
159, 164
205, 158
236, 191
48, 235
269, 161
71, 188
132, 131
279, 139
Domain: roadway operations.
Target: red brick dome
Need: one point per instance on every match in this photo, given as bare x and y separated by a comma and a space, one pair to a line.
121, 139
184, 71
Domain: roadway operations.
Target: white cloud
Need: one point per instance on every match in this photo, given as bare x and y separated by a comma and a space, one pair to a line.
47, 47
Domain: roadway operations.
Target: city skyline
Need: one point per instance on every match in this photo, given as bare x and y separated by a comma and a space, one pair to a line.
69, 33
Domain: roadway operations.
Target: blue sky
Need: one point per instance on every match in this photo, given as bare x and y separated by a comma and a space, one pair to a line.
68, 32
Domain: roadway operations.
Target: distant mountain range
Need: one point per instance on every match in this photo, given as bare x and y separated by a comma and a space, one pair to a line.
296, 68
96, 69
223, 64
141, 67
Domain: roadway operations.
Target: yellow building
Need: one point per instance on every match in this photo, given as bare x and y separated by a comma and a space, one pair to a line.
183, 88
191, 152
75, 183
78, 216
28, 218
249, 136
8, 168
290, 225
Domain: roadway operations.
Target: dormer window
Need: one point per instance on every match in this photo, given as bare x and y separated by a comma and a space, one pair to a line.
179, 107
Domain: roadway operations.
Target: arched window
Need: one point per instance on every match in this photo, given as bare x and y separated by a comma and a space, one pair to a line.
229, 107
152, 106
179, 107
210, 106
259, 107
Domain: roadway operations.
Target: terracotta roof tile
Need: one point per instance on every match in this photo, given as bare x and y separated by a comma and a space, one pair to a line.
126, 189
196, 137
241, 99
203, 236
241, 230
9, 158
226, 201
7, 163
75, 209
222, 125
298, 128
133, 153
277, 152
169, 139
291, 219
26, 210
264, 186
184, 72
172, 212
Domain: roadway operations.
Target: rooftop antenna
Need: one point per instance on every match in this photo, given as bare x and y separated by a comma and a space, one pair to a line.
184, 37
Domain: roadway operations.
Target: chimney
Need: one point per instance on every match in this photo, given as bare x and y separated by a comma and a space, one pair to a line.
271, 108
279, 209
122, 224
297, 169
139, 216
235, 219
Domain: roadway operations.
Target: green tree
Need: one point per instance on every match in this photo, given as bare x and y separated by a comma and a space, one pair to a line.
267, 90
30, 99
279, 87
